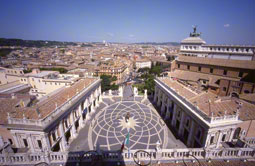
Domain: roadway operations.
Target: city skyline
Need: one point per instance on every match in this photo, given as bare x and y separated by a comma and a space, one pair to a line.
227, 22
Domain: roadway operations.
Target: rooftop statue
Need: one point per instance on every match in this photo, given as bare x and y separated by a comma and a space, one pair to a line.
194, 33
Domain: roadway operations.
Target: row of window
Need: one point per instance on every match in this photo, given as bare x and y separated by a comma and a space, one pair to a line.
228, 49
39, 143
211, 70
219, 49
11, 71
223, 138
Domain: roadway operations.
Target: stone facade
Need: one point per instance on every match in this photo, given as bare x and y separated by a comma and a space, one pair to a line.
192, 126
55, 131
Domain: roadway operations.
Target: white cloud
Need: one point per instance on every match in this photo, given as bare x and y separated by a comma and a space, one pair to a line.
110, 34
226, 25
131, 35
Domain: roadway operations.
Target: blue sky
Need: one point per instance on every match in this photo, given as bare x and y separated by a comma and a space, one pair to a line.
220, 21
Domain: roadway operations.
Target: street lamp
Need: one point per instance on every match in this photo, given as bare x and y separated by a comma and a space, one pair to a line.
138, 162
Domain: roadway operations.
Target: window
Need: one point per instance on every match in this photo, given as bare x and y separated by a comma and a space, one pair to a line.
188, 67
32, 79
211, 70
178, 65
225, 72
10, 140
219, 49
55, 83
20, 72
227, 49
237, 49
240, 74
224, 89
187, 122
211, 48
179, 113
198, 134
21, 79
247, 50
54, 136
246, 91
211, 140
25, 142
199, 68
223, 137
39, 144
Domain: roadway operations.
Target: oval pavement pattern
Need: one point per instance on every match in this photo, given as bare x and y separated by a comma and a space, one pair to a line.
109, 129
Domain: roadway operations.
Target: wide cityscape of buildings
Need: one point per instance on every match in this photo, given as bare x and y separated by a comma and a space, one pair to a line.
204, 99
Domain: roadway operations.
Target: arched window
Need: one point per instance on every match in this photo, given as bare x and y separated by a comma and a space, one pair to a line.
237, 132
187, 122
198, 135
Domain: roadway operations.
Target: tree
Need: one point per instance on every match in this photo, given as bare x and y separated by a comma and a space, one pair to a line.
106, 83
60, 70
114, 78
114, 87
156, 70
144, 70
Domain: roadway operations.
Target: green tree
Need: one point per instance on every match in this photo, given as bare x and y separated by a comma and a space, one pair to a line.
144, 70
156, 70
114, 78
106, 83
60, 70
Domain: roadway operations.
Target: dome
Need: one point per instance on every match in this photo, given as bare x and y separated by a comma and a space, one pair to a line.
193, 40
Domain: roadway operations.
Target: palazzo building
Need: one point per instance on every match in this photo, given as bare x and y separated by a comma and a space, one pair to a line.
52, 123
224, 70
195, 46
201, 118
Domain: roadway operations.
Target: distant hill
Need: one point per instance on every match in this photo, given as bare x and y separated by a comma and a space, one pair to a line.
33, 43
163, 43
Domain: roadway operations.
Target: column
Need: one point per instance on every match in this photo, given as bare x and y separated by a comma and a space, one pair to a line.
97, 102
63, 139
159, 97
155, 94
231, 135
191, 132
100, 97
207, 141
174, 115
16, 142
181, 123
47, 143
219, 140
167, 116
80, 120
31, 145
162, 109
73, 130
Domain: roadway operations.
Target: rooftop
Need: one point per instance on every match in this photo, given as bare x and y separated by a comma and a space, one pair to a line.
193, 40
218, 62
211, 104
195, 76
47, 106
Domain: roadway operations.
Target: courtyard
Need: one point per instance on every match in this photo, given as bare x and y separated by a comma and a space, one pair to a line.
108, 128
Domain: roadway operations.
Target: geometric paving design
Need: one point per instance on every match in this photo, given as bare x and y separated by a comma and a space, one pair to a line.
109, 134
